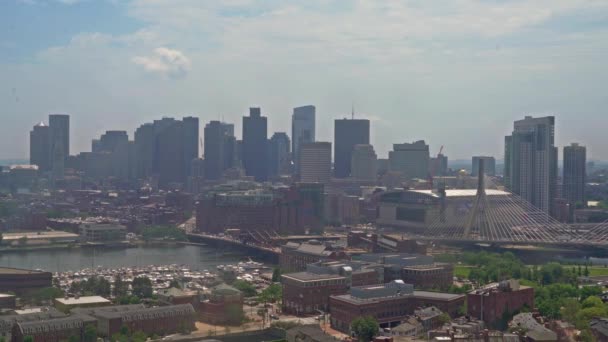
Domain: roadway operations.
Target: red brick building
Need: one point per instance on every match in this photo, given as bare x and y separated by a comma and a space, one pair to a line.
388, 303
308, 292
491, 302
21, 281
53, 330
285, 210
223, 306
161, 320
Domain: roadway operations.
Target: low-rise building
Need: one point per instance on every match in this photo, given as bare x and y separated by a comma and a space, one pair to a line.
39, 238
21, 281
69, 303
161, 320
224, 305
8, 322
308, 333
98, 232
51, 330
599, 329
7, 301
416, 269
491, 302
308, 292
295, 256
388, 303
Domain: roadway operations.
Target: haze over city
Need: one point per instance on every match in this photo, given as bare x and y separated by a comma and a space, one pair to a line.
455, 74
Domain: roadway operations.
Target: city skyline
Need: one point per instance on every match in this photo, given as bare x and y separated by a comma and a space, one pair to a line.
457, 84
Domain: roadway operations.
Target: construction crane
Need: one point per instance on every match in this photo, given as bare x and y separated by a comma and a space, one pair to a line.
434, 168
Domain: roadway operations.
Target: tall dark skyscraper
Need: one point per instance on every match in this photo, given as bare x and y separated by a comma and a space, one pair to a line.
302, 129
531, 161
219, 148
145, 150
280, 161
59, 138
255, 145
39, 147
575, 174
347, 134
166, 149
190, 131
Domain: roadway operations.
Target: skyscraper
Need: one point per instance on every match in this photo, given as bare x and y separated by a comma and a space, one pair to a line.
255, 145
190, 131
575, 163
39, 147
412, 160
347, 134
315, 162
219, 148
116, 144
59, 138
166, 149
280, 161
531, 159
302, 129
364, 164
489, 165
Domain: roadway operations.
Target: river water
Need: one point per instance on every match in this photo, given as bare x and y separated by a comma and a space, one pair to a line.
196, 257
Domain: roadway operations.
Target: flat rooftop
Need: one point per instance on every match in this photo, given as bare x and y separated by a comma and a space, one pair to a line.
463, 192
307, 276
9, 270
416, 294
83, 300
39, 235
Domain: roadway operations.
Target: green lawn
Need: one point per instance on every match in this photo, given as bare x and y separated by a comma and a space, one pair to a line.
598, 271
462, 271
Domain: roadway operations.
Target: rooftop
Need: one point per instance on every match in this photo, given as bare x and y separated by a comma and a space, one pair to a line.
9, 270
83, 300
464, 192
307, 276
55, 234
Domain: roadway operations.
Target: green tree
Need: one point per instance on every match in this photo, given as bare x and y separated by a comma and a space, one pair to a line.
276, 275
444, 318
365, 328
587, 291
74, 338
245, 287
569, 309
139, 336
586, 271
142, 287
28, 339
44, 295
272, 293
90, 333
120, 287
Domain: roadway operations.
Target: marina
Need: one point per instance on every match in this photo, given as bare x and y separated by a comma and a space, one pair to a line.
198, 258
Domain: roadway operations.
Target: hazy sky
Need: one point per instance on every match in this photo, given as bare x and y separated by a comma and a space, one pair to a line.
455, 73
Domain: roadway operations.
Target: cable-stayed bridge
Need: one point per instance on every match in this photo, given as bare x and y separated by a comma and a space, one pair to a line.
497, 216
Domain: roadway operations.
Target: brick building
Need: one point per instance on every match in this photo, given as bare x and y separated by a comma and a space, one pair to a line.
161, 320
223, 306
21, 281
492, 301
285, 210
52, 330
416, 269
295, 257
308, 292
388, 303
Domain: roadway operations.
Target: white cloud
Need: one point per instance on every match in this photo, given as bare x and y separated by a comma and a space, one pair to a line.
165, 61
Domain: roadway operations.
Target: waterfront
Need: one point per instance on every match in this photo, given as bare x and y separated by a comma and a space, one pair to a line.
198, 258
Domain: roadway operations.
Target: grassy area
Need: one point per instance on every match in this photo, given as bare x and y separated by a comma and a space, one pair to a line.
462, 271
598, 271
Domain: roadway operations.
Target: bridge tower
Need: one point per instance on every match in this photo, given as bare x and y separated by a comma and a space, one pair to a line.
479, 203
